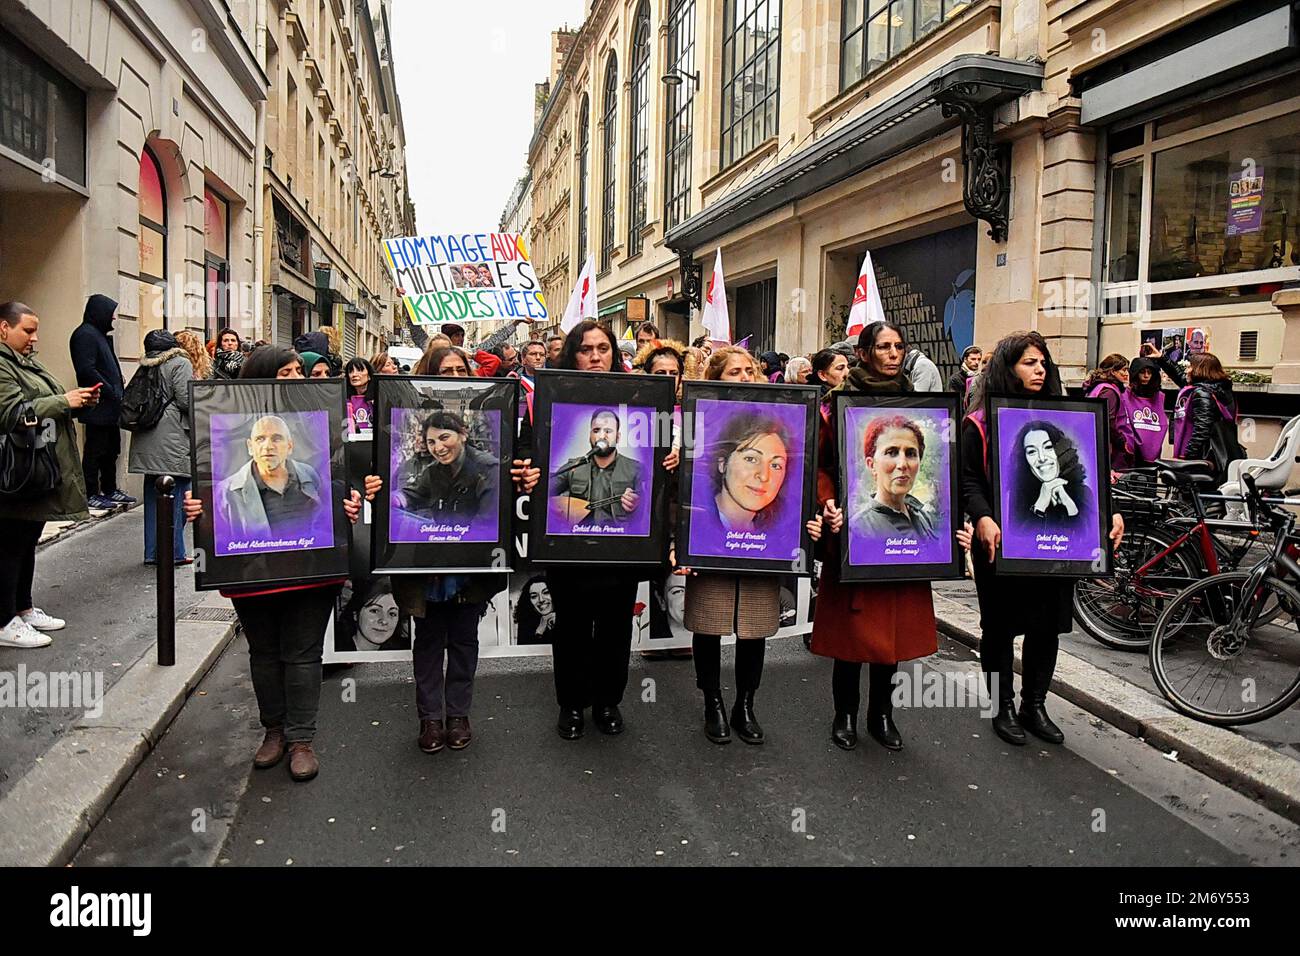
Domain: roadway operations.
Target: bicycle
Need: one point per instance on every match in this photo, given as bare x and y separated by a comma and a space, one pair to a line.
1156, 561
1226, 651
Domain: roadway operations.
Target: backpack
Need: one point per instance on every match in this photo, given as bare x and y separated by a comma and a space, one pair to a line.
145, 398
910, 361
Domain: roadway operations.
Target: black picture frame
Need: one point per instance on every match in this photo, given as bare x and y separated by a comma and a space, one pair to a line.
493, 402
560, 402
703, 405
226, 538
1062, 539
899, 555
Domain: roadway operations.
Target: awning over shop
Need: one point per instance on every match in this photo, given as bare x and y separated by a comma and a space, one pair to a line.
613, 307
965, 90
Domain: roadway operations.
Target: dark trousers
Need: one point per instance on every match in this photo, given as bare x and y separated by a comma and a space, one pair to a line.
846, 687
99, 458
286, 635
593, 635
706, 649
1038, 662
18, 540
448, 629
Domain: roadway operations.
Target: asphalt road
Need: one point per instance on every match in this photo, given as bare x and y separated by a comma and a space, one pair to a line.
661, 794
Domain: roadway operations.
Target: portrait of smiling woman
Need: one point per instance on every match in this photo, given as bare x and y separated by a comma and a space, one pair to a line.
752, 459
534, 612
1050, 479
370, 620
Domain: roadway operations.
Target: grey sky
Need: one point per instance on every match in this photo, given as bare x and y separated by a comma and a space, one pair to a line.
465, 75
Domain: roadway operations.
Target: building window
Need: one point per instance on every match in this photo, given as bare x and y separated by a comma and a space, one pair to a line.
42, 114
680, 112
751, 75
638, 129
1203, 207
872, 32
610, 121
216, 247
152, 201
584, 170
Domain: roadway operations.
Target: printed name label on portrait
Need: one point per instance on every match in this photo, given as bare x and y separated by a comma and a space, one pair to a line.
1053, 543
746, 541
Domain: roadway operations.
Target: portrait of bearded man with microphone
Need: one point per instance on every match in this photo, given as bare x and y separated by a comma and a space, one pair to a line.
600, 488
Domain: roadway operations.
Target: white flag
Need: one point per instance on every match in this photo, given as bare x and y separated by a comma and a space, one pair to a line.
866, 302
582, 304
717, 322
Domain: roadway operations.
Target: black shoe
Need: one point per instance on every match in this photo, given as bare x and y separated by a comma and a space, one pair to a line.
883, 730
715, 718
608, 719
569, 725
1007, 727
743, 721
1033, 717
844, 731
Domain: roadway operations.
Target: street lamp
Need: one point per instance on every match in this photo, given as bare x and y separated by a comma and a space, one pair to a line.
675, 76
383, 173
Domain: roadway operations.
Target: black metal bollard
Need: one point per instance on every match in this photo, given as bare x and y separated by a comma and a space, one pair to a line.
166, 525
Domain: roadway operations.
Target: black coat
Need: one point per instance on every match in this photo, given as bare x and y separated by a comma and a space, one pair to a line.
95, 360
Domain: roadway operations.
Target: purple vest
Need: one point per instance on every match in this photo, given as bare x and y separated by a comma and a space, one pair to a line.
1144, 424
1183, 421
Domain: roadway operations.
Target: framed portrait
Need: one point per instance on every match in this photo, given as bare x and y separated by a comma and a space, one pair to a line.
367, 624
600, 440
898, 486
444, 447
747, 477
268, 463
1050, 472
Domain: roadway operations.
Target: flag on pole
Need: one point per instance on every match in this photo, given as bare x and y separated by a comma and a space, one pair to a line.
717, 322
744, 343
866, 301
582, 304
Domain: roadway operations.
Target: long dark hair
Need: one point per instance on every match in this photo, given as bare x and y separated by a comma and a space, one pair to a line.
867, 341
526, 616
359, 364
999, 376
1068, 464
573, 341
265, 361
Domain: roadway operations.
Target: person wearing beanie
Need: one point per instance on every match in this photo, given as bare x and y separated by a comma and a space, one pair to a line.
96, 364
967, 368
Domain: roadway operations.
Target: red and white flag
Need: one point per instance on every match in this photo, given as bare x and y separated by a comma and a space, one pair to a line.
866, 301
582, 304
717, 321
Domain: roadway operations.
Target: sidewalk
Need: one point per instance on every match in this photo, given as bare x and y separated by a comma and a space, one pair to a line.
1261, 760
60, 768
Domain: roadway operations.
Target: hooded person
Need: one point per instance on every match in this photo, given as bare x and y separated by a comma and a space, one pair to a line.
1144, 420
772, 366
95, 362
314, 360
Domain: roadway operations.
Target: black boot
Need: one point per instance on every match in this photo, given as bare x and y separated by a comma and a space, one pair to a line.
1005, 724
880, 706
715, 718
1039, 663
743, 720
844, 731
570, 724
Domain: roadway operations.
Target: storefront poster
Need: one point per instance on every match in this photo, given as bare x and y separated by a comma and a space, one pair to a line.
1245, 202
1051, 477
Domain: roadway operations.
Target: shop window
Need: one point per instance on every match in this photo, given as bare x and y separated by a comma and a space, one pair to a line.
680, 113
216, 244
584, 170
152, 203
638, 130
751, 75
873, 32
610, 122
42, 114
1125, 222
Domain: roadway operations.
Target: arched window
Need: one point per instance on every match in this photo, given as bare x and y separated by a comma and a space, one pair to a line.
610, 121
751, 75
152, 201
216, 262
584, 167
638, 129
680, 113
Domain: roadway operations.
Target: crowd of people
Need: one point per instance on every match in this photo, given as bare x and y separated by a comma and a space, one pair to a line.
589, 609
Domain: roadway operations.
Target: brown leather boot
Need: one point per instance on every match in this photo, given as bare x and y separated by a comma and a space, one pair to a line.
458, 733
303, 764
432, 736
272, 750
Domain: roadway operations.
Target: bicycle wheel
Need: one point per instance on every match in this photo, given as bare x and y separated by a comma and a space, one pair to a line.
1228, 657
1121, 611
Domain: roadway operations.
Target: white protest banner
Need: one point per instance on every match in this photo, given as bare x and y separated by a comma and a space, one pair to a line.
466, 277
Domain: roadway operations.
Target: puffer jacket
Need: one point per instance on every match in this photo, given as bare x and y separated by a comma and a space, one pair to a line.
23, 379
165, 448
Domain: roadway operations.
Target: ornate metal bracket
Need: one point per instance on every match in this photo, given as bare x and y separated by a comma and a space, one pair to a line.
692, 279
986, 186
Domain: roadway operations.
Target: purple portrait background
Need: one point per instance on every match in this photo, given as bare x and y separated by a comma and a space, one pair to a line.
570, 431
1041, 539
404, 527
872, 549
784, 532
311, 446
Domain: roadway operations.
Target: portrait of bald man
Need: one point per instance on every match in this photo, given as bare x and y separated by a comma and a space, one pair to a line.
272, 495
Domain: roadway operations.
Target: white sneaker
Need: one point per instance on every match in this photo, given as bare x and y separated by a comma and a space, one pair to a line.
39, 620
17, 634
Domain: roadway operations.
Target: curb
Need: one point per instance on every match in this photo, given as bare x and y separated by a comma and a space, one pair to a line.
77, 527
1234, 761
49, 812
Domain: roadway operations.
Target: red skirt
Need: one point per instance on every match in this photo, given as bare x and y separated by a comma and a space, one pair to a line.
873, 623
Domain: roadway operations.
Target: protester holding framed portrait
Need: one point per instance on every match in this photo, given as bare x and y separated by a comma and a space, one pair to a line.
1053, 487
879, 623
600, 521
255, 507
747, 485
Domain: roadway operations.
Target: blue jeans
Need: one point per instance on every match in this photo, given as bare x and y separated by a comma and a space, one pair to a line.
151, 518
